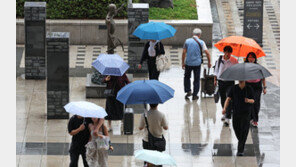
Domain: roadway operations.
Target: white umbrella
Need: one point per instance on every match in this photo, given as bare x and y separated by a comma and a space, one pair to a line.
155, 157
85, 109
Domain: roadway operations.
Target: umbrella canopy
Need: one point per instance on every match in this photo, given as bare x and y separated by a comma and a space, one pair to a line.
155, 157
110, 64
85, 109
145, 91
154, 30
241, 46
244, 72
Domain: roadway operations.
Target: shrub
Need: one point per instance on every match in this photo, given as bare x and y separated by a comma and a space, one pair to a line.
75, 9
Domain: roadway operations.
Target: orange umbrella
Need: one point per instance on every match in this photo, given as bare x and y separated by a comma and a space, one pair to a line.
241, 46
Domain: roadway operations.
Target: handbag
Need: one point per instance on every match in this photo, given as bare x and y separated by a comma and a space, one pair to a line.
162, 62
110, 92
155, 143
103, 143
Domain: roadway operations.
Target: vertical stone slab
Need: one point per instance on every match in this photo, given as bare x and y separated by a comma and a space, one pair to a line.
253, 20
57, 74
137, 13
35, 22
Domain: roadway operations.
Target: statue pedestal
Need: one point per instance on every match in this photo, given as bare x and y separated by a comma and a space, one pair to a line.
94, 90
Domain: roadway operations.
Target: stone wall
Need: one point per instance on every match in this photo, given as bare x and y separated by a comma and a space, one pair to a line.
137, 14
35, 21
57, 74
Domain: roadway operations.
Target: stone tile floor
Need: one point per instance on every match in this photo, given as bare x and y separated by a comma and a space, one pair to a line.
195, 136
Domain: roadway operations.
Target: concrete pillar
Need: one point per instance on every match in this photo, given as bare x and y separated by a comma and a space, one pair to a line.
57, 74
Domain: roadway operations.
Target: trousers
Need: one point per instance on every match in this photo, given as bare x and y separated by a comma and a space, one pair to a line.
74, 157
241, 125
153, 73
196, 82
256, 105
224, 88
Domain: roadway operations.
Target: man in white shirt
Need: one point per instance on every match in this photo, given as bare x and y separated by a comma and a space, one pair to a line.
221, 65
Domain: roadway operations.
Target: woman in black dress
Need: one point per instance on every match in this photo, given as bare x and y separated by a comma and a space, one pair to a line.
151, 50
114, 108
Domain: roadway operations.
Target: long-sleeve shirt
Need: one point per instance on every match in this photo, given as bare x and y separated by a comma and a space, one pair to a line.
159, 49
223, 66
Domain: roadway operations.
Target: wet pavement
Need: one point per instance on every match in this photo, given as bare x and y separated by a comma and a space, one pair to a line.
196, 136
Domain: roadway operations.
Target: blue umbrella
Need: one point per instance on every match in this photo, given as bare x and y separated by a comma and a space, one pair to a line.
110, 64
155, 31
145, 91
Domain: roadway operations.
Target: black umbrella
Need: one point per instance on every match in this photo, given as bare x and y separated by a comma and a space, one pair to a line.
245, 71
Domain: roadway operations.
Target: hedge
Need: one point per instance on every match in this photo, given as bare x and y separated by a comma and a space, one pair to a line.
75, 9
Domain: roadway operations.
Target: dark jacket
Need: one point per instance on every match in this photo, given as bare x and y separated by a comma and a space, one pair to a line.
159, 49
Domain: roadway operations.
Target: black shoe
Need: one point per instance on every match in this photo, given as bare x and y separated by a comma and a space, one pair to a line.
226, 124
239, 154
195, 97
187, 95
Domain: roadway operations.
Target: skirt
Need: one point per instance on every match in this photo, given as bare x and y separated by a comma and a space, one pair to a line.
114, 109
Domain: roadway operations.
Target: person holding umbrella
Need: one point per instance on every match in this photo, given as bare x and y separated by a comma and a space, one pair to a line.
154, 32
96, 156
150, 92
240, 47
221, 65
114, 68
152, 49
257, 86
114, 108
78, 127
242, 97
156, 122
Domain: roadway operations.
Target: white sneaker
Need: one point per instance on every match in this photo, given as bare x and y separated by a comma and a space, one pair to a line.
226, 122
223, 118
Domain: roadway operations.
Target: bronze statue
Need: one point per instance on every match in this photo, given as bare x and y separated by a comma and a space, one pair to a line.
112, 41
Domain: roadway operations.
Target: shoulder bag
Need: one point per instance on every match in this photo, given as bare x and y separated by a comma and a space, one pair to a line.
162, 61
200, 48
154, 142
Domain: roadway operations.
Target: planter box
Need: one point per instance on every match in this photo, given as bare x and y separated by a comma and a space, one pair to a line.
93, 32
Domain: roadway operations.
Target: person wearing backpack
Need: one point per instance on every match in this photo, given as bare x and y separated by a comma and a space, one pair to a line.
151, 50
221, 65
192, 60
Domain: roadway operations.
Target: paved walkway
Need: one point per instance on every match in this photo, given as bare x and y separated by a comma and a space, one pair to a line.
196, 136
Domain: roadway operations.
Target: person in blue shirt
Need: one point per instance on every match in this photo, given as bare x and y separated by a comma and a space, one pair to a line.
192, 60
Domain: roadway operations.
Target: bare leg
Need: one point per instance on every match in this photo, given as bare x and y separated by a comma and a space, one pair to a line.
109, 123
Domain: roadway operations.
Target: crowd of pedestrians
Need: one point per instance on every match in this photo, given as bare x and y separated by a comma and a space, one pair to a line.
241, 102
